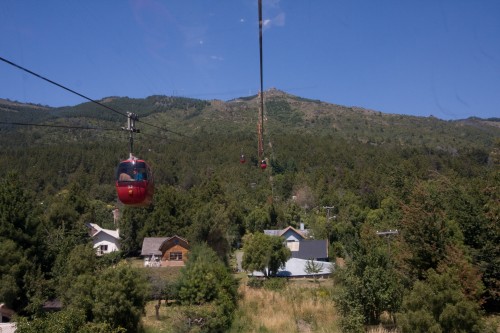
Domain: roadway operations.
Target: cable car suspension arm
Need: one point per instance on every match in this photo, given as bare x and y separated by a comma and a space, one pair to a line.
131, 119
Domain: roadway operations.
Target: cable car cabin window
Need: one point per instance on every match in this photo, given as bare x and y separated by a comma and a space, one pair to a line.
129, 172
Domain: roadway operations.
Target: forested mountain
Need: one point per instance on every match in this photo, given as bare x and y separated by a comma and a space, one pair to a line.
435, 181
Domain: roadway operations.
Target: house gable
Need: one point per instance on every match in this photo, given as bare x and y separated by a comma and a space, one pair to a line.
174, 248
104, 240
6, 314
174, 241
291, 234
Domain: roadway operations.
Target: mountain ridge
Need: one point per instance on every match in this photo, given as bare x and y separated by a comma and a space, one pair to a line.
284, 112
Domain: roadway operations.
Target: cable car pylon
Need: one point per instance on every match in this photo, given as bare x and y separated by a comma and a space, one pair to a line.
260, 123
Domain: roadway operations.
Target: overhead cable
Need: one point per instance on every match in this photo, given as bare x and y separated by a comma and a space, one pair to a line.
83, 96
59, 126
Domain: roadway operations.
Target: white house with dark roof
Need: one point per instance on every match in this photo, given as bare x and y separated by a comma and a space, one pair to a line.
104, 240
303, 250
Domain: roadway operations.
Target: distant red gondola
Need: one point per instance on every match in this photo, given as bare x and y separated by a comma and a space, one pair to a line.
134, 182
242, 159
263, 164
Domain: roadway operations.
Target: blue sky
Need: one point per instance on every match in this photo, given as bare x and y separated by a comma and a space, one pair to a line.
427, 57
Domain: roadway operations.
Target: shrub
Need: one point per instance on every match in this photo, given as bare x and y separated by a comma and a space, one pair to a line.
255, 283
275, 284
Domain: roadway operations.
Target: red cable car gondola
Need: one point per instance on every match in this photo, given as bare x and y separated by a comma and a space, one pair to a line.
263, 164
242, 159
134, 182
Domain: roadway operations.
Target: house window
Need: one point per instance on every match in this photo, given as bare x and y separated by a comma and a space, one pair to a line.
176, 256
104, 248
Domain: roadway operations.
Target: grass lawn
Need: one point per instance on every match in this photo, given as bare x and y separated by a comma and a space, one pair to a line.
167, 316
303, 306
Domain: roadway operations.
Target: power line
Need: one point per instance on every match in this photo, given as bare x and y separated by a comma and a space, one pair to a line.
61, 86
87, 128
163, 129
160, 137
85, 97
60, 126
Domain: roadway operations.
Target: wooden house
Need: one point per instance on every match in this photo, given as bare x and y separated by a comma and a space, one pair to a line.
164, 251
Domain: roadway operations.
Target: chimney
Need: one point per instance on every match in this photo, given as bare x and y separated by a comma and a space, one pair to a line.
301, 226
116, 216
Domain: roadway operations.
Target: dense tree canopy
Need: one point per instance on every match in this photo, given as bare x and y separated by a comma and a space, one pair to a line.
435, 181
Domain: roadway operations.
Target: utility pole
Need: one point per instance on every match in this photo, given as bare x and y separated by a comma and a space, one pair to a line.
387, 234
328, 209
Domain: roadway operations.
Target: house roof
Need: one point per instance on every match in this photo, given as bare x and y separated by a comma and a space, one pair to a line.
51, 305
98, 229
151, 245
174, 240
311, 249
273, 232
281, 232
5, 311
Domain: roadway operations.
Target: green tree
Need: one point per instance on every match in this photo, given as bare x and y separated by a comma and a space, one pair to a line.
131, 225
313, 268
204, 277
427, 229
71, 320
17, 221
13, 265
169, 216
18, 242
437, 304
76, 277
207, 281
66, 321
487, 255
264, 253
368, 287
211, 224
119, 297
257, 220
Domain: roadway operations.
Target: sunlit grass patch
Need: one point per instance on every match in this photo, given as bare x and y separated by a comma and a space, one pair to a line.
303, 306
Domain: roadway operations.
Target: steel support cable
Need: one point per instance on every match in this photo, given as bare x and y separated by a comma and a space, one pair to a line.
60, 126
88, 128
161, 137
260, 126
262, 114
85, 97
85, 128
